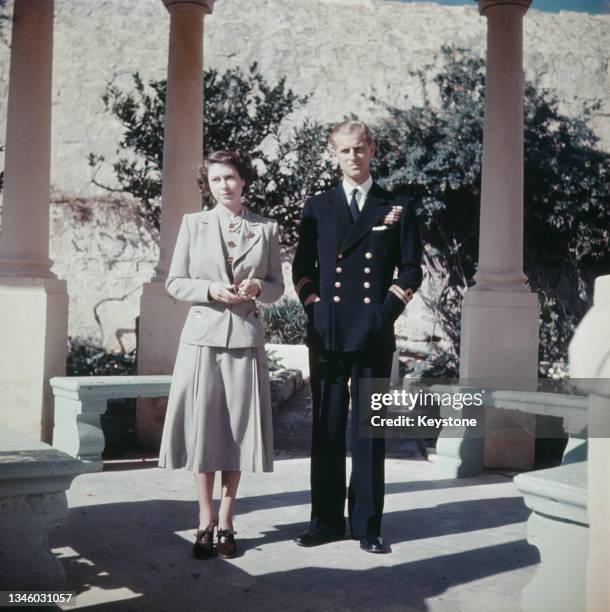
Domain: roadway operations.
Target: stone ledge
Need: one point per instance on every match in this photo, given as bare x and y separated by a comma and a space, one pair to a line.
559, 493
284, 384
34, 479
559, 528
294, 359
25, 459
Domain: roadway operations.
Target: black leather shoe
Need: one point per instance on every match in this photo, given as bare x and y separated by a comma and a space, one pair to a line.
373, 544
315, 538
204, 543
227, 547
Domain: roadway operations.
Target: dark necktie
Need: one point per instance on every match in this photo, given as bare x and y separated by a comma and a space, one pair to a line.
353, 206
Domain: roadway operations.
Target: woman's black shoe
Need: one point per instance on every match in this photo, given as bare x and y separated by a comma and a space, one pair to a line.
226, 548
204, 544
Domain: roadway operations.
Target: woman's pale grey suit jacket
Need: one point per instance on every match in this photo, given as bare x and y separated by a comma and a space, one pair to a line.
199, 260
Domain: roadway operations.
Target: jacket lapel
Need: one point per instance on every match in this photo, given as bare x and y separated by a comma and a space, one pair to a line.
210, 224
368, 217
251, 234
341, 218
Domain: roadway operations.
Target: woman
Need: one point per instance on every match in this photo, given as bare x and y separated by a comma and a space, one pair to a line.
219, 407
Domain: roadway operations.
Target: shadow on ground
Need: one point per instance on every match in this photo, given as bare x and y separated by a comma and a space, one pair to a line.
138, 546
137, 555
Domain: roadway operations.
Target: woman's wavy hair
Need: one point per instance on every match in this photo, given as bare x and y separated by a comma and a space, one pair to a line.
240, 160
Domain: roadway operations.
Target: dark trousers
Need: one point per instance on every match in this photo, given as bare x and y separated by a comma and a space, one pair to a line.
329, 375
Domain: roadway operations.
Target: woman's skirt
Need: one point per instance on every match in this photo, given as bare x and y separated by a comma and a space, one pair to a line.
219, 411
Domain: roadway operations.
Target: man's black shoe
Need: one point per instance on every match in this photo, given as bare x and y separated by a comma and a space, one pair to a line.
373, 544
315, 538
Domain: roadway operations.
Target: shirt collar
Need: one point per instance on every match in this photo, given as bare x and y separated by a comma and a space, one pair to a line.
363, 188
225, 214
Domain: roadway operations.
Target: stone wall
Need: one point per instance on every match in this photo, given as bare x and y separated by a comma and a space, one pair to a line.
106, 254
339, 50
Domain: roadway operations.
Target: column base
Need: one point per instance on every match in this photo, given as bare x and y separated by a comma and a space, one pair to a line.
499, 341
461, 456
458, 457
159, 329
33, 334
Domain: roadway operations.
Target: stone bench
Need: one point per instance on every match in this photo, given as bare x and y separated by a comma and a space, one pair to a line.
81, 400
571, 409
559, 527
34, 479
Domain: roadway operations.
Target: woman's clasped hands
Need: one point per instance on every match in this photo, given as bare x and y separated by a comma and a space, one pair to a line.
248, 289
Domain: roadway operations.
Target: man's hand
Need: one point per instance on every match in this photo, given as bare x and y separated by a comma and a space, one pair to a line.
224, 293
248, 289
310, 299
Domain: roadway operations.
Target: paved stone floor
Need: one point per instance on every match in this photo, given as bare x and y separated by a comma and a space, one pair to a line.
457, 545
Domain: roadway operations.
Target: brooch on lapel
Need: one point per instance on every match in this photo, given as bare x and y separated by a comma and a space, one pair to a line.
393, 216
249, 235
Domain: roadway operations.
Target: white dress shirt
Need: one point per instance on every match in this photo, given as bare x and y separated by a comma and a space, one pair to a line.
363, 190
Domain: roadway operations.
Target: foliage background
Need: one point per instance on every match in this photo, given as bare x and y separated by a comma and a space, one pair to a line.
432, 151
242, 111
435, 152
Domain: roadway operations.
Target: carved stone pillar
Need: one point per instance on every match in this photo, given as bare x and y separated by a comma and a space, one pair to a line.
161, 317
499, 336
33, 303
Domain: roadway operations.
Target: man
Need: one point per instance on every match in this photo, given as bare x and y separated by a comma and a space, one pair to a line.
352, 239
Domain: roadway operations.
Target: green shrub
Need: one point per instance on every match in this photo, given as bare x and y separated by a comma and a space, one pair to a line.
285, 322
88, 359
274, 362
444, 365
434, 152
242, 110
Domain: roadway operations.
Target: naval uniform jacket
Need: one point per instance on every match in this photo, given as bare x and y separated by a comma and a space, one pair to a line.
198, 260
364, 272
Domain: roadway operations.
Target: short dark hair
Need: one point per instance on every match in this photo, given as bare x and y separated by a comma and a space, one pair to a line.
240, 160
349, 126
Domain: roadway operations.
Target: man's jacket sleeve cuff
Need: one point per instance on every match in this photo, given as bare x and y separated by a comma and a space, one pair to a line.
304, 288
395, 302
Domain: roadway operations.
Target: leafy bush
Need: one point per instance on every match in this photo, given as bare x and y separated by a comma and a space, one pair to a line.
432, 151
274, 362
285, 322
88, 359
443, 365
242, 110
435, 151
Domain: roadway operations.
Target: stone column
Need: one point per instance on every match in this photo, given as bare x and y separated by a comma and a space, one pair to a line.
33, 303
161, 317
499, 338
589, 356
